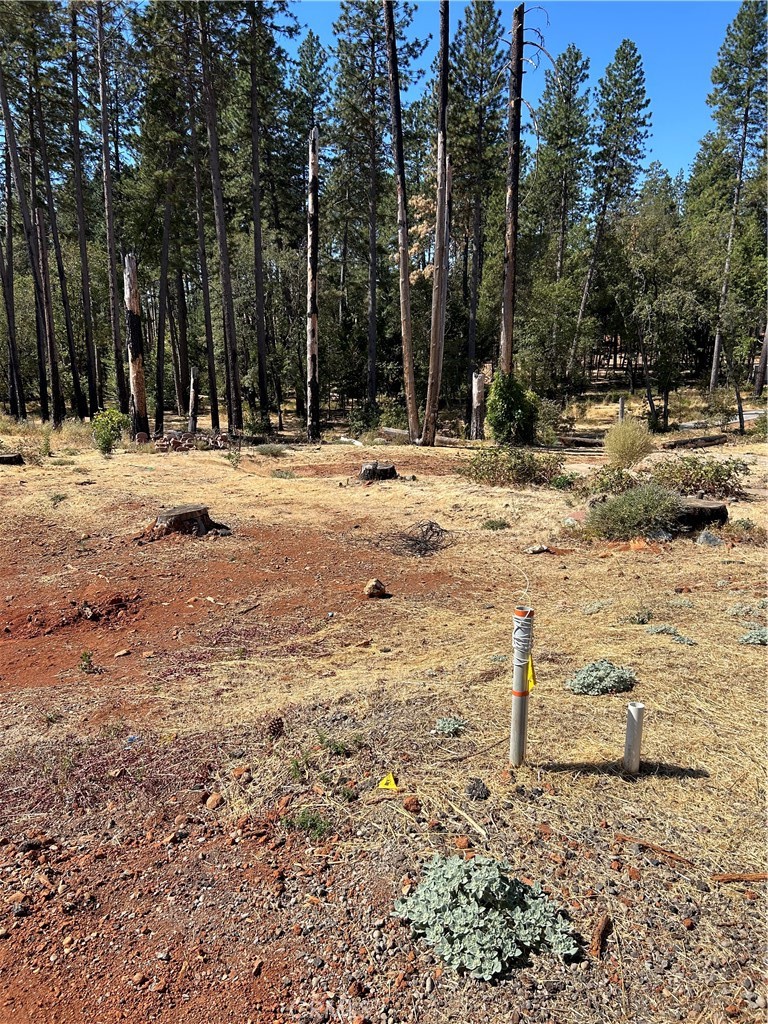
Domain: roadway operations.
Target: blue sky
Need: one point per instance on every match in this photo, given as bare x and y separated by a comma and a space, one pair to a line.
678, 40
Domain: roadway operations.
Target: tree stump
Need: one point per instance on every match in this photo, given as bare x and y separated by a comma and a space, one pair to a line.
696, 512
378, 471
11, 459
193, 519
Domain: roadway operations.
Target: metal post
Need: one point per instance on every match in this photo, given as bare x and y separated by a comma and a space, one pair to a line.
635, 713
621, 409
522, 641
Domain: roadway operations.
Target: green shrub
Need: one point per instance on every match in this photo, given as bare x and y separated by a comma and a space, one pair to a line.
717, 478
508, 467
551, 422
451, 726
311, 822
363, 418
495, 524
759, 428
638, 512
601, 677
45, 442
271, 451
108, 427
479, 919
757, 637
628, 443
720, 407
511, 411
607, 480
283, 474
392, 414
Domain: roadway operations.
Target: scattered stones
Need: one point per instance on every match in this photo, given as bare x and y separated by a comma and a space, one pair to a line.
375, 588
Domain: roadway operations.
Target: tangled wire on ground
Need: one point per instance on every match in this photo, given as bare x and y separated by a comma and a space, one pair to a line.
424, 539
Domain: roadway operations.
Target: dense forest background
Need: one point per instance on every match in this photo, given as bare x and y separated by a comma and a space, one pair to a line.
179, 133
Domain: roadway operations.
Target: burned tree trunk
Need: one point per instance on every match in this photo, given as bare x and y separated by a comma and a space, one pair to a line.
6, 268
313, 385
506, 350
138, 401
57, 395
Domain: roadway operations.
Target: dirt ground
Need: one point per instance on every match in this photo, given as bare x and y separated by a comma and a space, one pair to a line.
193, 732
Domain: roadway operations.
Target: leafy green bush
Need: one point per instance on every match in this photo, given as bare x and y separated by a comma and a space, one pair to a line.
108, 427
607, 480
311, 822
757, 637
720, 407
638, 512
271, 451
511, 411
451, 726
601, 677
363, 418
759, 429
628, 443
551, 421
717, 478
508, 467
479, 919
392, 414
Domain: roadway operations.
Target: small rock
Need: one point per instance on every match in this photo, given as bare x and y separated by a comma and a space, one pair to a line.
710, 539
139, 978
537, 549
461, 842
570, 522
123, 654
412, 804
477, 790
375, 588
214, 801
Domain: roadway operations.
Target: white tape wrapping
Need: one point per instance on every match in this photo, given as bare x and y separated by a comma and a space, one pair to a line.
522, 638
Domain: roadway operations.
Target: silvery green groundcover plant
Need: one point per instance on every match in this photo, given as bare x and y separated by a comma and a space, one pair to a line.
479, 919
601, 677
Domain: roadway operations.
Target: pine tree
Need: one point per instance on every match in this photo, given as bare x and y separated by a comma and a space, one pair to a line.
622, 128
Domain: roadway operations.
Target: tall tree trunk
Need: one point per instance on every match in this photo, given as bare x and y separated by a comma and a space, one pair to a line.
474, 291
79, 405
57, 395
40, 318
162, 309
109, 215
213, 397
371, 387
258, 258
585, 292
77, 173
506, 348
762, 366
404, 262
19, 404
313, 384
138, 402
175, 371
29, 237
183, 342
235, 402
440, 278
717, 349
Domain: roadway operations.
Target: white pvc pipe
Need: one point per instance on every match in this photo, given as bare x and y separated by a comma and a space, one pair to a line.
522, 641
634, 738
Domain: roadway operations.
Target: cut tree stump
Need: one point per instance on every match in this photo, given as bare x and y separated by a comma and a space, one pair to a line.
696, 512
187, 519
11, 459
378, 471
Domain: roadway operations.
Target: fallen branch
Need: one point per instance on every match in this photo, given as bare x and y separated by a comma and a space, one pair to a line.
599, 932
695, 442
621, 838
746, 876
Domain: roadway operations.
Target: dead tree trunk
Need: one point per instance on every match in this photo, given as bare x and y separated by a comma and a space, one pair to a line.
477, 427
437, 332
194, 383
138, 401
762, 366
109, 214
77, 174
80, 407
58, 407
18, 403
506, 348
162, 310
372, 386
313, 385
234, 403
182, 344
402, 224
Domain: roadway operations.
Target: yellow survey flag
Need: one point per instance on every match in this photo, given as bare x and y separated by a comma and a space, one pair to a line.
388, 782
531, 673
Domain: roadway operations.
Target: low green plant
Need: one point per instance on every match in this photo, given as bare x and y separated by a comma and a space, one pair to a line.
233, 456
480, 920
392, 414
640, 617
511, 411
564, 481
638, 512
87, 664
495, 524
271, 451
607, 480
663, 629
45, 442
687, 640
336, 747
283, 474
759, 429
56, 499
720, 407
757, 637
108, 427
688, 474
450, 726
743, 531
628, 443
509, 467
62, 462
362, 418
594, 607
551, 422
601, 677
309, 821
